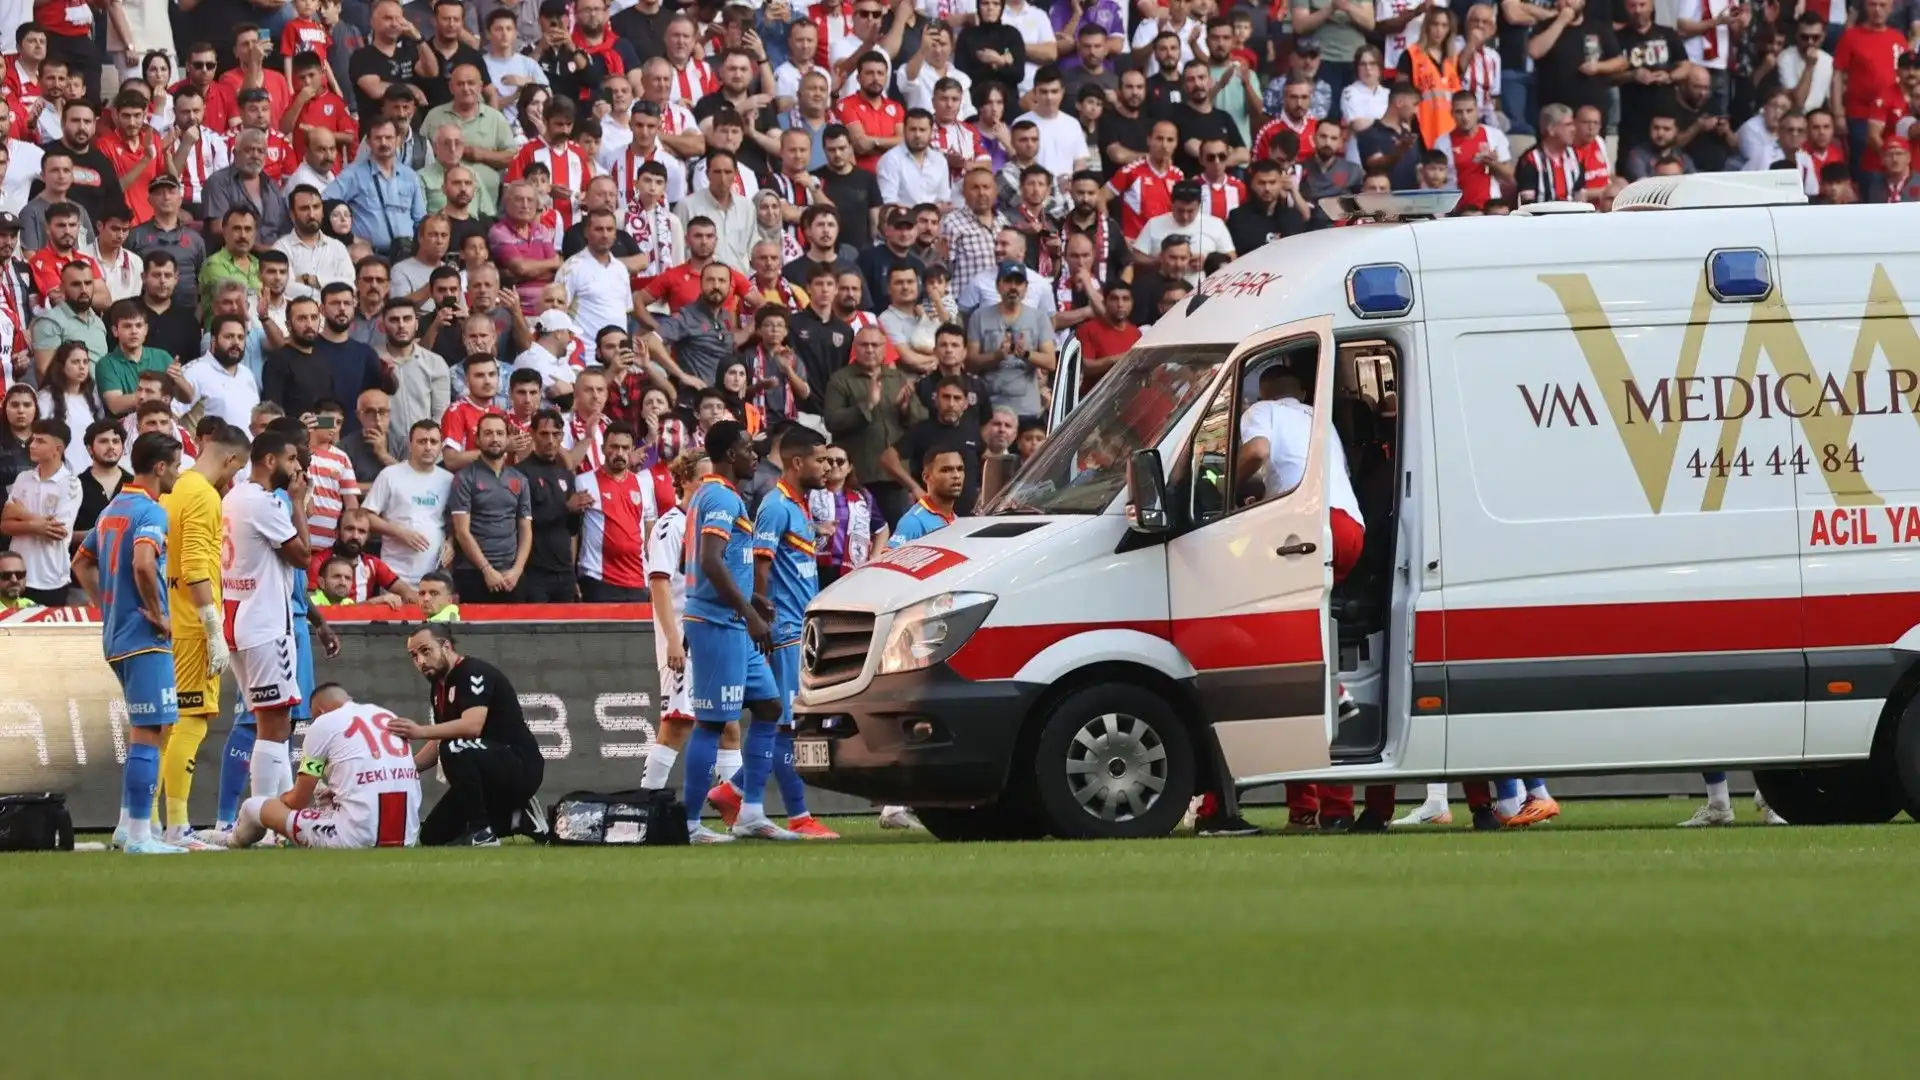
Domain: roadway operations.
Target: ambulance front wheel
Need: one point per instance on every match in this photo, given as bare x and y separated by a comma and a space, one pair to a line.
1111, 762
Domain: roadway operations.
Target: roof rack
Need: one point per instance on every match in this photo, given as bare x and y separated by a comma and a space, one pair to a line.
1698, 191
1382, 206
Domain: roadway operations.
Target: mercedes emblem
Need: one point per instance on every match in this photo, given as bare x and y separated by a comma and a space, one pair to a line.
810, 644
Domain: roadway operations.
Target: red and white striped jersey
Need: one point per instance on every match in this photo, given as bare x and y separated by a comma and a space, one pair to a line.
693, 81
835, 23
1480, 73
962, 138
1222, 198
1144, 194
593, 435
613, 531
652, 232
570, 168
203, 161
332, 478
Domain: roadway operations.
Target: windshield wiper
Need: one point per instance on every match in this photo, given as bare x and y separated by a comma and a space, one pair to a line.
1018, 508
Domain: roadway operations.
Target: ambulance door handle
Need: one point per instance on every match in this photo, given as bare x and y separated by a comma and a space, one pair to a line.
1303, 547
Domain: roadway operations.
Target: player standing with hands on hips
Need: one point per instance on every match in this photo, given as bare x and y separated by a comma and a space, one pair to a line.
727, 639
122, 565
481, 740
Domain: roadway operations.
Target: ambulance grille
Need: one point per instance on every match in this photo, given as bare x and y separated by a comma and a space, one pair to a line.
834, 647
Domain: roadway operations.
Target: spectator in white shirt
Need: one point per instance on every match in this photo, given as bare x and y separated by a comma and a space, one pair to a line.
927, 67
1063, 141
552, 341
1806, 69
599, 288
39, 513
314, 259
913, 172
1759, 139
1207, 234
321, 165
222, 384
803, 43
1036, 30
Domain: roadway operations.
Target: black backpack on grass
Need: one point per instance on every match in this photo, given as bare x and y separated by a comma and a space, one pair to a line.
636, 818
35, 823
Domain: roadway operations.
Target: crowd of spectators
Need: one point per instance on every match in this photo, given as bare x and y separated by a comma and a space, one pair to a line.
510, 260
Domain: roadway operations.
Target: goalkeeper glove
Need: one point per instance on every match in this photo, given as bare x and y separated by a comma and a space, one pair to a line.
217, 655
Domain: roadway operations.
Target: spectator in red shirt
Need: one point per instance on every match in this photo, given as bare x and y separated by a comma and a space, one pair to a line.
1106, 338
252, 73
317, 107
680, 286
373, 580
873, 120
1865, 80
134, 149
462, 419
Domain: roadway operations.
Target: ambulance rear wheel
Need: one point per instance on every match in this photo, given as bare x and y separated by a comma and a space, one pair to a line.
1111, 762
977, 823
1903, 765
1842, 795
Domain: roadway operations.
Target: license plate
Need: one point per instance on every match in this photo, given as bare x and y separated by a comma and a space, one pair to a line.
810, 754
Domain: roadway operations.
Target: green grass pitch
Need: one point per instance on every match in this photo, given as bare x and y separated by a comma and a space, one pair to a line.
1604, 945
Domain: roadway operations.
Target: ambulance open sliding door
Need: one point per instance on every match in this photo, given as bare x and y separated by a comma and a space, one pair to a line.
1617, 500
1249, 582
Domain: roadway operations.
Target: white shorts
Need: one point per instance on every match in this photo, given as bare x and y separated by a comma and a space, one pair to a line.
676, 687
265, 676
327, 827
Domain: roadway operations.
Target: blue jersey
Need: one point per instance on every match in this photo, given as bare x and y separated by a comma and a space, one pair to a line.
919, 520
298, 575
134, 517
717, 509
783, 532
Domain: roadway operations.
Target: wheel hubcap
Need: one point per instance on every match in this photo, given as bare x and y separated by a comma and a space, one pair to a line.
1116, 767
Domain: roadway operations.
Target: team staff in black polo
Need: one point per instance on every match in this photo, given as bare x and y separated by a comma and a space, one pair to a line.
480, 739
557, 506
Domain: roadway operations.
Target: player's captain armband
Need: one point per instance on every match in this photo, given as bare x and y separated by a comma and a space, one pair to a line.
314, 767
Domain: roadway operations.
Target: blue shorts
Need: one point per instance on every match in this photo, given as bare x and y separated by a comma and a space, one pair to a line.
785, 664
302, 674
727, 671
146, 681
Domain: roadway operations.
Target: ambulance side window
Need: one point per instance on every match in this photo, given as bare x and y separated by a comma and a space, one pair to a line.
1211, 457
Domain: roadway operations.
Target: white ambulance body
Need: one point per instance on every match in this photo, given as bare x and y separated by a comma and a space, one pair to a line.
1642, 493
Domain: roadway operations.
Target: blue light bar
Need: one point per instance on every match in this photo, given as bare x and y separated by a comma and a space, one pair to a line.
1739, 275
1380, 291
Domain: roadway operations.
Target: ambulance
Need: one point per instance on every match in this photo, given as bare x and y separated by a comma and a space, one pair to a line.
1641, 493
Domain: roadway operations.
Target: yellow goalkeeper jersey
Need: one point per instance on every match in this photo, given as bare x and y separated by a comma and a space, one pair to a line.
193, 548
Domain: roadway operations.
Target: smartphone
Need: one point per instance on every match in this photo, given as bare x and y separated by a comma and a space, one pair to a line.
326, 423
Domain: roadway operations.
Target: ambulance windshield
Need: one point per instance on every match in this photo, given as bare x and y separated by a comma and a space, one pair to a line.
1083, 465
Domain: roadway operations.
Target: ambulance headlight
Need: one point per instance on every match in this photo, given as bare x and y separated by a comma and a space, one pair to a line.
1380, 291
931, 631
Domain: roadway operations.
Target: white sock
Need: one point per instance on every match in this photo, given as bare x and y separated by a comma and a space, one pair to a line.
126, 822
139, 830
1510, 807
752, 811
264, 769
660, 761
1718, 797
286, 770
725, 764
250, 810
1437, 794
1538, 791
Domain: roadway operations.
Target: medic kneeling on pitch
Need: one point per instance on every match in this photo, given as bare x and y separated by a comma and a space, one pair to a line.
356, 787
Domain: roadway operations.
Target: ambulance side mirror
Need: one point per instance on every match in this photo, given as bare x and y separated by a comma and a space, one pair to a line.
1146, 494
